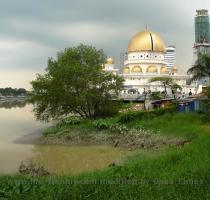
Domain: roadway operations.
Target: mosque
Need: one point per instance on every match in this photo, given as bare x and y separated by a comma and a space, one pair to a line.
145, 59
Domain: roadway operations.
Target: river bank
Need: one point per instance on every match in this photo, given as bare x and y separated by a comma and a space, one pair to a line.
150, 175
118, 132
132, 141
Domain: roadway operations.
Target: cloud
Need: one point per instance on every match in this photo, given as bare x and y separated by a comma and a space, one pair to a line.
23, 54
32, 31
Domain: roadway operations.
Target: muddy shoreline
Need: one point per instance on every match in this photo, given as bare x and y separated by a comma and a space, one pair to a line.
32, 138
128, 141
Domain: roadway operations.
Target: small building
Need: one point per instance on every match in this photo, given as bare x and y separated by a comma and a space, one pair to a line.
192, 104
162, 103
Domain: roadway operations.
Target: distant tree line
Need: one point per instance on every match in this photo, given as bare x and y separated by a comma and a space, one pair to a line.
8, 91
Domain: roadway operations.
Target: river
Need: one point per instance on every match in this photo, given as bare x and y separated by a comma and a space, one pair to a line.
19, 132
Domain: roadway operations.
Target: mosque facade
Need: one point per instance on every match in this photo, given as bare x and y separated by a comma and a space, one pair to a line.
145, 59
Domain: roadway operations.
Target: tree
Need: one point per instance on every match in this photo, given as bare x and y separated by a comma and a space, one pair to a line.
207, 101
167, 82
75, 83
155, 96
201, 68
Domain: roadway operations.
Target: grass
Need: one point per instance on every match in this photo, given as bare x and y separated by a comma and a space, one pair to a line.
178, 124
178, 173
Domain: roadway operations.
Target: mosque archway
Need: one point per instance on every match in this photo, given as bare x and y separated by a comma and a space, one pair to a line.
136, 69
152, 69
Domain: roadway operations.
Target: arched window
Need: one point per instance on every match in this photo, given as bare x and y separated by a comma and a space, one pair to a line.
136, 69
152, 69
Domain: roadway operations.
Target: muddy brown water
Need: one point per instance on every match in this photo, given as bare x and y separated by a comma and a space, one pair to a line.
19, 132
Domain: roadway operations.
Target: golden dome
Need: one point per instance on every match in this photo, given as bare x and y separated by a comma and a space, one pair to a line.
109, 61
136, 69
146, 41
163, 70
152, 69
126, 70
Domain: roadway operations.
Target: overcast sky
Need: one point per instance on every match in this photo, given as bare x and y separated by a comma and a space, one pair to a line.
32, 31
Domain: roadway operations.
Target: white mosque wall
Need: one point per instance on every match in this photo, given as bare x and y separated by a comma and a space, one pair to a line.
144, 60
146, 55
142, 83
144, 67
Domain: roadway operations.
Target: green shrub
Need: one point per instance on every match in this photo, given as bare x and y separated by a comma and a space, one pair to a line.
200, 112
130, 116
109, 109
107, 124
51, 131
120, 129
102, 124
126, 118
72, 120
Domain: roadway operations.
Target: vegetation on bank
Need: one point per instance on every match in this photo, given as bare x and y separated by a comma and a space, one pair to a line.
112, 125
125, 130
178, 173
122, 123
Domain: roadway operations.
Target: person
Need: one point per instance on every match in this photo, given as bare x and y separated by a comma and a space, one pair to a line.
144, 92
190, 93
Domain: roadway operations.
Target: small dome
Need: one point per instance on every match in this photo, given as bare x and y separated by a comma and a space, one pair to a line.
146, 41
109, 61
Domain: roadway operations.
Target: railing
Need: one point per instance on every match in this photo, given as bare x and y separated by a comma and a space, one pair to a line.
142, 97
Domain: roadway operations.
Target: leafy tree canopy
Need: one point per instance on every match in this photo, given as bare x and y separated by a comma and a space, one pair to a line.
167, 82
207, 101
201, 68
75, 83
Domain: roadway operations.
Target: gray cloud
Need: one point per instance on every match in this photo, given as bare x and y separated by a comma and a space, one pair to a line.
31, 31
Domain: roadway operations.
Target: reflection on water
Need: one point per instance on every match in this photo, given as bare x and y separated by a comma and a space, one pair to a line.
76, 159
18, 124
13, 103
15, 123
